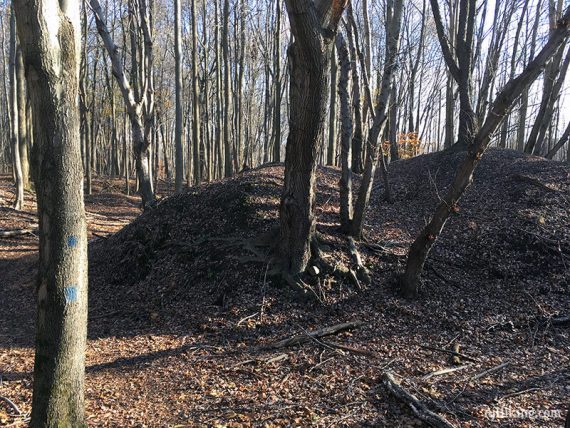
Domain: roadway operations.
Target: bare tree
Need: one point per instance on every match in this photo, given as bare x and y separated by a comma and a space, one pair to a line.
460, 64
374, 153
51, 50
14, 117
179, 131
139, 101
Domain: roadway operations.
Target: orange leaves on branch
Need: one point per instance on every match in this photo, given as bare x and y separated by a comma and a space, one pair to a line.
409, 145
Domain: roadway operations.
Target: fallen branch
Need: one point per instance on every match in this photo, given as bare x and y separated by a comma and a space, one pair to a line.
515, 394
419, 408
351, 349
17, 232
444, 371
447, 351
11, 404
299, 339
489, 371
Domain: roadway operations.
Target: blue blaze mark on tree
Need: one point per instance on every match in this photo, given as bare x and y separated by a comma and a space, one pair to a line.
72, 241
70, 294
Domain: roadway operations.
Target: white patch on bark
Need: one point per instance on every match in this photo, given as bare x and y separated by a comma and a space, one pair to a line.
50, 14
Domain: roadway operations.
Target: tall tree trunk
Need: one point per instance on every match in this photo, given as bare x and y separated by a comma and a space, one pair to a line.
14, 125
357, 140
22, 119
374, 153
178, 131
313, 26
228, 168
277, 85
347, 120
138, 101
196, 122
331, 151
51, 49
503, 102
521, 127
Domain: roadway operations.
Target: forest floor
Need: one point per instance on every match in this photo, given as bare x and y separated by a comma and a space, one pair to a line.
183, 318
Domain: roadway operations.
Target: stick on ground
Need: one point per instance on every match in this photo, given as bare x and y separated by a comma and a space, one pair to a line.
327, 331
419, 408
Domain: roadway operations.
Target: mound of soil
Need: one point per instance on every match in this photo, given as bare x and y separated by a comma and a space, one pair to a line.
183, 315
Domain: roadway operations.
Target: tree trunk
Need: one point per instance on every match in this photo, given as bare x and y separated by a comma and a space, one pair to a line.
51, 49
228, 169
277, 85
346, 116
196, 122
14, 125
178, 131
309, 58
139, 102
22, 119
374, 153
356, 98
331, 151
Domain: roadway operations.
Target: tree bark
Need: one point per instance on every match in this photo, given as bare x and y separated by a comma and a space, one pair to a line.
347, 120
277, 85
313, 25
178, 131
374, 152
23, 143
51, 50
138, 102
331, 151
14, 116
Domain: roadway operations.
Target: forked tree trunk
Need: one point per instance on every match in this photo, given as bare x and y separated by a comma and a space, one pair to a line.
314, 26
137, 104
501, 105
51, 49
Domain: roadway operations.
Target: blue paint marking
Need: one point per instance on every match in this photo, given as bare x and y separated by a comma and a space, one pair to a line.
72, 241
70, 294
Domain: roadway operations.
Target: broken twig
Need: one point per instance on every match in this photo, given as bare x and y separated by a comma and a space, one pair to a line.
419, 408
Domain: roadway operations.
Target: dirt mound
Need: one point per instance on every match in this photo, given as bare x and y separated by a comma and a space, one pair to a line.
513, 223
178, 282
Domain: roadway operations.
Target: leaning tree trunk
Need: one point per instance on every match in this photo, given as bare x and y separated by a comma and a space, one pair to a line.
51, 49
314, 27
139, 102
563, 140
374, 152
501, 106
